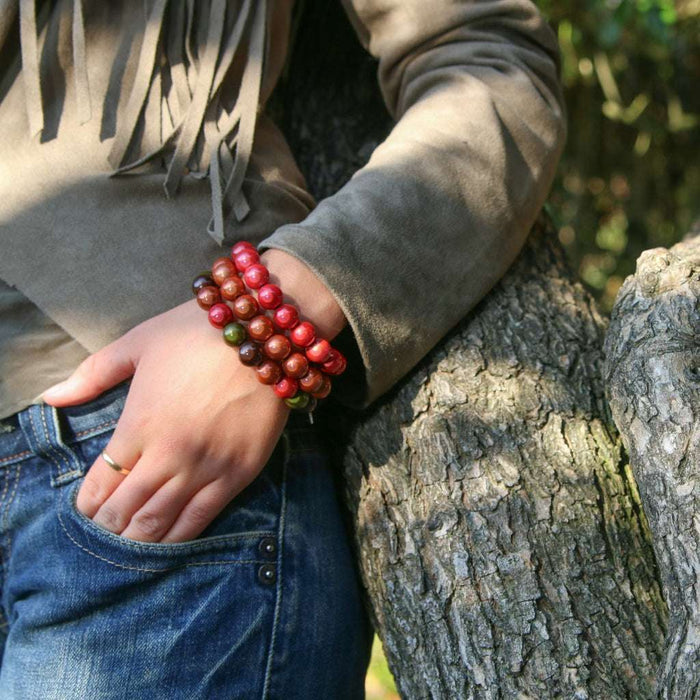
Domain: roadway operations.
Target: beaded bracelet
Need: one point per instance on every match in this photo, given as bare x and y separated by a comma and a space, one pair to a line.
299, 377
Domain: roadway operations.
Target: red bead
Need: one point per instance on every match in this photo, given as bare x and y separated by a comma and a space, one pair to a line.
277, 347
256, 276
312, 380
335, 363
246, 258
324, 390
303, 334
269, 372
260, 328
296, 365
269, 296
286, 317
208, 296
222, 269
319, 351
220, 315
232, 288
240, 247
286, 387
245, 307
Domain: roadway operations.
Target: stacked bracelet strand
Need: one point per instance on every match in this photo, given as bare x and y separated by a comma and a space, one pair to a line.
284, 350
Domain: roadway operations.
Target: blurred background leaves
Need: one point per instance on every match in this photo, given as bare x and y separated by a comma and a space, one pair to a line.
629, 178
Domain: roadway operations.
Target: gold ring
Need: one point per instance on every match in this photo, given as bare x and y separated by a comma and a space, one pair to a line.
113, 464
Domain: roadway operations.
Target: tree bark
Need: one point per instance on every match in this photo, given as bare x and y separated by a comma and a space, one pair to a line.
653, 377
498, 528
500, 534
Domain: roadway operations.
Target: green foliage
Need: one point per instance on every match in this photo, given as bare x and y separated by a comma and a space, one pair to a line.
630, 176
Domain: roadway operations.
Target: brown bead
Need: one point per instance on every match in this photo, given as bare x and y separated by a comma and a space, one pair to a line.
260, 328
250, 354
269, 372
208, 296
312, 380
296, 365
203, 279
222, 269
245, 307
324, 390
278, 347
232, 288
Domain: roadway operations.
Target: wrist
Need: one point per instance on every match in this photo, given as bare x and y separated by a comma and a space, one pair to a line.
306, 291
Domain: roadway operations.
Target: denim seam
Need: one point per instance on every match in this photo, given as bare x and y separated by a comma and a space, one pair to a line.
19, 455
165, 568
36, 437
7, 509
97, 429
280, 547
3, 563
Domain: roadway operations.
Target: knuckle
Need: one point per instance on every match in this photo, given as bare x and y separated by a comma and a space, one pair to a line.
110, 519
200, 514
148, 523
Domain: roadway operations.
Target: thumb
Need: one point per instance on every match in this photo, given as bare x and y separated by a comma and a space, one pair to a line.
100, 371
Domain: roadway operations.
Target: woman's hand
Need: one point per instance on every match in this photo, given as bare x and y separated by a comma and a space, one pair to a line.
197, 426
196, 429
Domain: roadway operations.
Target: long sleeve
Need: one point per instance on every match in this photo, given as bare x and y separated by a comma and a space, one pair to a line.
421, 233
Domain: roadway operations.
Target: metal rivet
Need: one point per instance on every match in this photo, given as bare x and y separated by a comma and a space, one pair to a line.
268, 546
267, 573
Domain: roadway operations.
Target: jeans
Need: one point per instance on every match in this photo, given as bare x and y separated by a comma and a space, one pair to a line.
265, 603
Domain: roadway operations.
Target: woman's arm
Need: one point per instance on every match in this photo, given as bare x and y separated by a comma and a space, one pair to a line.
197, 426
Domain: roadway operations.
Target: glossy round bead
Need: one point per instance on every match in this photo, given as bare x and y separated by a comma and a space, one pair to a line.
298, 401
203, 279
220, 315
286, 387
250, 354
245, 259
312, 380
269, 372
296, 365
269, 296
232, 288
303, 334
256, 276
240, 247
286, 317
335, 363
208, 296
222, 269
324, 390
260, 328
310, 406
277, 347
245, 307
319, 351
234, 333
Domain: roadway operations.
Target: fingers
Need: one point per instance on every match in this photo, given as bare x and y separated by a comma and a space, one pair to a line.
201, 509
97, 373
101, 479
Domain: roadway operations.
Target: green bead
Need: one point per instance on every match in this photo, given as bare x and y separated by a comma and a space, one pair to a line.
234, 333
299, 400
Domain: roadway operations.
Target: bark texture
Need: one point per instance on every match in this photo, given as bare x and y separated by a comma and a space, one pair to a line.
500, 534
653, 382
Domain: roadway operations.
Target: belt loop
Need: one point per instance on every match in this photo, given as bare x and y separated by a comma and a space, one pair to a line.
41, 427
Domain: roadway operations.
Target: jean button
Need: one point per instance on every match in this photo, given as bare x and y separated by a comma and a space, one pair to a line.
267, 573
268, 546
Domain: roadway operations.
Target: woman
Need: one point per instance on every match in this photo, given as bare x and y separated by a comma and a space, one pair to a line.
178, 534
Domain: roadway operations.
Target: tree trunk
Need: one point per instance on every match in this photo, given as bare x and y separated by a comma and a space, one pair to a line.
499, 531
500, 535
653, 375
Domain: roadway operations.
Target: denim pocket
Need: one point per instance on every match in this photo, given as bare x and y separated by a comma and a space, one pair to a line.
236, 535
